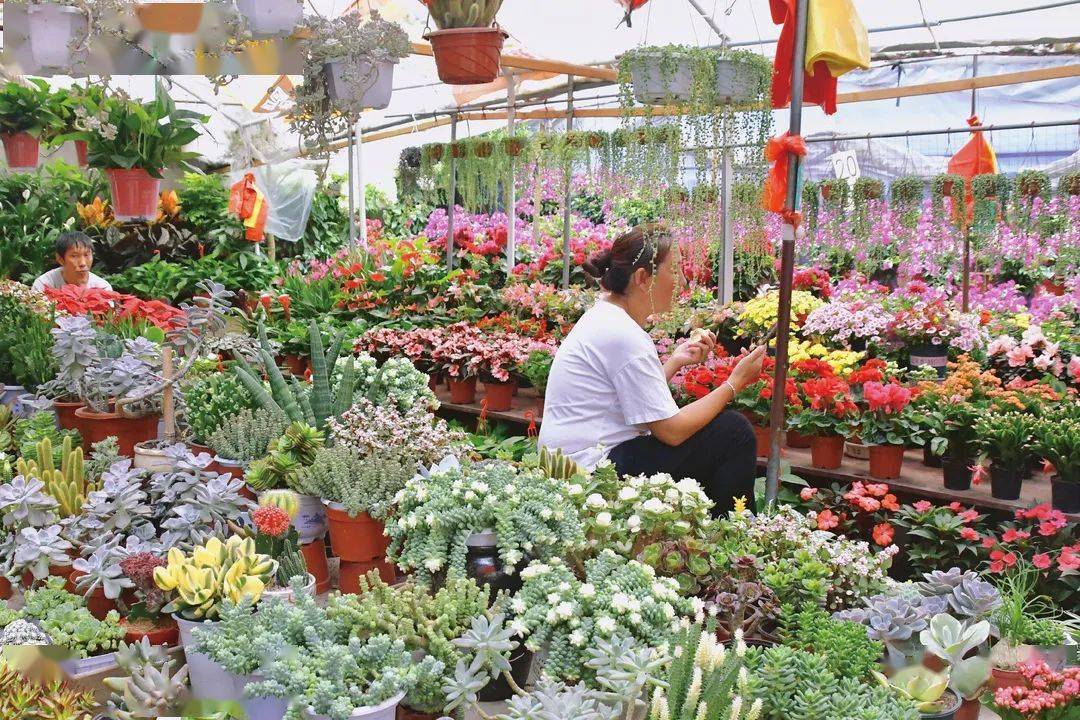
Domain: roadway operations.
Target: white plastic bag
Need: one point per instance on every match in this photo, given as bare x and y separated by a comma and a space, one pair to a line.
289, 187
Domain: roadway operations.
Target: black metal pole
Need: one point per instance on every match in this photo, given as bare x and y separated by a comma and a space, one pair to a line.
450, 201
787, 263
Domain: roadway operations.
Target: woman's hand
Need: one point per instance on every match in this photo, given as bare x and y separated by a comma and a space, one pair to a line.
748, 370
694, 350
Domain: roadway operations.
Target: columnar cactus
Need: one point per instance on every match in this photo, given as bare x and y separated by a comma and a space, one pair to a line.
67, 484
463, 13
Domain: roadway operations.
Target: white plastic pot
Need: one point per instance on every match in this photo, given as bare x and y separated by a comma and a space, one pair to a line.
310, 520
152, 459
265, 18
11, 394
209, 681
53, 28
286, 593
377, 87
734, 81
258, 708
653, 86
27, 404
77, 667
385, 711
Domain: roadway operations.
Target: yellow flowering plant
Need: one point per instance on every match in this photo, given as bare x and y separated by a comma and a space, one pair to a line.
759, 314
841, 361
198, 583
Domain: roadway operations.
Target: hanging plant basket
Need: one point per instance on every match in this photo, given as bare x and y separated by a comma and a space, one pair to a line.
513, 146
266, 18
373, 91
736, 82
483, 149
181, 18
661, 78
434, 152
595, 139
135, 193
1069, 184
22, 150
53, 30
458, 150
467, 56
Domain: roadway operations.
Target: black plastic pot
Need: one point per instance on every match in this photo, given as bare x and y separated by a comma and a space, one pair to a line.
936, 356
1005, 483
948, 714
929, 459
482, 564
1064, 495
498, 689
956, 472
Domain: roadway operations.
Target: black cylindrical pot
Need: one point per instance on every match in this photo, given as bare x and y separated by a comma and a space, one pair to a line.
948, 714
929, 459
1005, 482
483, 564
498, 689
1065, 495
935, 356
956, 472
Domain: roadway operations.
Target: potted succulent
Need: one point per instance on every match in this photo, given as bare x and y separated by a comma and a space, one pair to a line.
66, 621
245, 437
151, 683
952, 641
927, 690
887, 427
826, 419
467, 47
1058, 441
144, 618
197, 583
26, 118
671, 75
134, 143
1006, 441
276, 538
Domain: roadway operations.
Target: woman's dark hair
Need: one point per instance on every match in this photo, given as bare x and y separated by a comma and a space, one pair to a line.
645, 246
71, 239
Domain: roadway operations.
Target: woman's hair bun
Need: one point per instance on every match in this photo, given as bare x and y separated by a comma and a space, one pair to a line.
598, 263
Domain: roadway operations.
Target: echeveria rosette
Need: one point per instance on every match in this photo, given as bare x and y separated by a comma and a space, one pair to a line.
618, 598
533, 516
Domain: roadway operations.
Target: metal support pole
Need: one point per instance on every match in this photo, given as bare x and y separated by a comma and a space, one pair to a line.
362, 197
965, 272
727, 234
708, 20
787, 263
352, 194
568, 170
452, 196
511, 191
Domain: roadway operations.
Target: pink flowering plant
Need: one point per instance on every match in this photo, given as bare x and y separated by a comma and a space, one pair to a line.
848, 319
1035, 356
1047, 694
889, 418
936, 322
1045, 539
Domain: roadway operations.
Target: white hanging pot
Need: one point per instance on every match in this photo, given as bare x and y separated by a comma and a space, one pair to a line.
53, 28
375, 88
267, 18
735, 82
384, 711
654, 85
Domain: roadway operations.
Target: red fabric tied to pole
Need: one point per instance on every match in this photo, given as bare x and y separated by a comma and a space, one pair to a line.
977, 157
249, 204
820, 85
630, 6
777, 151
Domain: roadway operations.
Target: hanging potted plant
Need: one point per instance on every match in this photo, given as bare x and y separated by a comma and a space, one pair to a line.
268, 18
1006, 441
467, 47
134, 143
26, 118
888, 427
1058, 440
868, 189
669, 75
169, 17
356, 60
742, 77
1069, 184
1033, 183
826, 419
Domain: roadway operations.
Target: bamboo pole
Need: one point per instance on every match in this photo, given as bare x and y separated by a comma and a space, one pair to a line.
168, 410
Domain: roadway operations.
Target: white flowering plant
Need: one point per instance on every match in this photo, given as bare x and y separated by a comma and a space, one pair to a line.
415, 434
396, 382
617, 598
532, 515
631, 513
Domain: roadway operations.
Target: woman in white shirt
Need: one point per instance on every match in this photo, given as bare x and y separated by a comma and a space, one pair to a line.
608, 394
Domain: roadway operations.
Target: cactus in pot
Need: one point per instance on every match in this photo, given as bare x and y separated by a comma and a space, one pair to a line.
67, 484
463, 13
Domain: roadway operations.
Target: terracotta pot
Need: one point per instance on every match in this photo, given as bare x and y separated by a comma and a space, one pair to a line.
1000, 678
180, 17
165, 632
467, 56
969, 710
127, 431
315, 558
5, 588
350, 572
80, 153
65, 414
885, 461
21, 150
499, 396
355, 539
762, 435
134, 192
796, 439
296, 364
827, 451
60, 571
433, 382
512, 146
462, 392
404, 713
198, 449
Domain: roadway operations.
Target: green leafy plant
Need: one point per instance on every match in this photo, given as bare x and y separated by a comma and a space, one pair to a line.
296, 448
1033, 183
28, 107
211, 402
69, 624
458, 14
536, 368
246, 436
1058, 440
848, 651
922, 686
361, 483
1005, 438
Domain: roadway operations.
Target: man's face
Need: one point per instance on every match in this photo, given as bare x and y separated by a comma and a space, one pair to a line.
76, 263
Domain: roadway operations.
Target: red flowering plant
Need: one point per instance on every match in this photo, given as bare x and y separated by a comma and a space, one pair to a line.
813, 279
827, 408
123, 315
888, 419
862, 511
1046, 695
694, 382
1045, 539
276, 537
755, 400
937, 536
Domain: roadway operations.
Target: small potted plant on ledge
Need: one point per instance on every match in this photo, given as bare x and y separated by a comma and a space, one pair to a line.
957, 443
134, 143
826, 419
1005, 439
467, 47
1058, 441
887, 427
535, 369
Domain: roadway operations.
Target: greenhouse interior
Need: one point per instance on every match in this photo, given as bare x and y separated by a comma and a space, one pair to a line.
562, 360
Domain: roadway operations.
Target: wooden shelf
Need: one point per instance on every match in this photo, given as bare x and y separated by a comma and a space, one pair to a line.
525, 408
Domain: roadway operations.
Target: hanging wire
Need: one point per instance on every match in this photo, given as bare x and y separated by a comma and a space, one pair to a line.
929, 29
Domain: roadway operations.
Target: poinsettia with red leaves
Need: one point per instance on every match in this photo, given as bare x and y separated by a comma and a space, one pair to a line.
108, 308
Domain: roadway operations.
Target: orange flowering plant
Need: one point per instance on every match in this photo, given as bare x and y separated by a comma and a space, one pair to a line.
828, 408
861, 511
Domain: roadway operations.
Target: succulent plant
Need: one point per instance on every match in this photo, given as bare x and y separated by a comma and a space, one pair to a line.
153, 686
921, 685
119, 508
101, 570
896, 622
38, 549
205, 512
24, 503
974, 597
941, 582
67, 485
21, 632
199, 582
950, 639
463, 13
247, 435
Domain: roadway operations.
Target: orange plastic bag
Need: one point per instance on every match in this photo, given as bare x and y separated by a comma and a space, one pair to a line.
777, 152
249, 203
